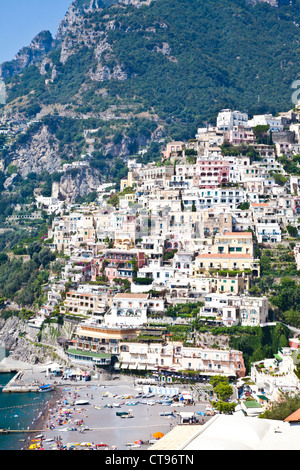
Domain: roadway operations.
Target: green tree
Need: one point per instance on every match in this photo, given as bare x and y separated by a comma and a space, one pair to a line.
279, 178
281, 410
293, 231
223, 391
224, 407
114, 200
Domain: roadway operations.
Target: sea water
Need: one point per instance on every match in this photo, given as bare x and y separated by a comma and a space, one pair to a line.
18, 411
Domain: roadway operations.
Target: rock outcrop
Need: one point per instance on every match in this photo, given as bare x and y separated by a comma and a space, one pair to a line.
21, 340
41, 152
77, 182
33, 54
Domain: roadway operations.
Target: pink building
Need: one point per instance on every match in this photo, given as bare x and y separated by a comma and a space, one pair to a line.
172, 148
294, 343
123, 263
240, 135
296, 205
210, 172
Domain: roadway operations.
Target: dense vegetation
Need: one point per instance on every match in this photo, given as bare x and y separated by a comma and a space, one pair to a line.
22, 281
184, 59
256, 343
281, 410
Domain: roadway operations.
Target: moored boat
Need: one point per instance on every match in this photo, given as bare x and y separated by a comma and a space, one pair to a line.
46, 388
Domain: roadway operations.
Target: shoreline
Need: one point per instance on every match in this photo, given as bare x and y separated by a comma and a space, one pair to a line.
41, 420
93, 422
96, 424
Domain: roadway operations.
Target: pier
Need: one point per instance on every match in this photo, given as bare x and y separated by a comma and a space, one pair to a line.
16, 431
17, 385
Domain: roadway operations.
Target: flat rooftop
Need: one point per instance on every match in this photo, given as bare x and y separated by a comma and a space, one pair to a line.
232, 432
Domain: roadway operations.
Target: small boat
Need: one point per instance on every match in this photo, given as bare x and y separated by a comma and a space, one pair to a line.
46, 388
34, 446
122, 413
116, 405
82, 402
127, 416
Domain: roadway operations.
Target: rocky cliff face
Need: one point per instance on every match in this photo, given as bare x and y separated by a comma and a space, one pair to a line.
137, 68
76, 183
34, 53
40, 152
20, 340
15, 337
75, 11
273, 3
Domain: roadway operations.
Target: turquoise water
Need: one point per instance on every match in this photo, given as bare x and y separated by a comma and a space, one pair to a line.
19, 411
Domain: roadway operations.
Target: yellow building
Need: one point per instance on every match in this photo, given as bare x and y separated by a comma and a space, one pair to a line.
229, 284
234, 243
126, 182
98, 338
222, 261
82, 302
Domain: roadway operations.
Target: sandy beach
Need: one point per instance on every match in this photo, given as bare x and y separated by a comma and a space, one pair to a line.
83, 414
95, 424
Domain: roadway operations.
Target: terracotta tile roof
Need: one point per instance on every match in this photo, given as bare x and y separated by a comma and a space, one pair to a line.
259, 204
131, 296
294, 417
238, 234
224, 255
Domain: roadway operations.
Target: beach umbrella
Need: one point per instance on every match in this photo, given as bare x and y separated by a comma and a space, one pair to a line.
158, 435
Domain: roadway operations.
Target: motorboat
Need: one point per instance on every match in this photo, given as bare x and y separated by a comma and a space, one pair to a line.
82, 402
46, 388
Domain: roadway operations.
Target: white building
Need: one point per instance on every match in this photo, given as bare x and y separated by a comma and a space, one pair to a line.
157, 272
131, 309
297, 255
276, 373
233, 310
268, 232
275, 123
174, 356
207, 198
128, 310
228, 119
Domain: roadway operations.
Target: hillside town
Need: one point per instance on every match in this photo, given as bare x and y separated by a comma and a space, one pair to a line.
176, 246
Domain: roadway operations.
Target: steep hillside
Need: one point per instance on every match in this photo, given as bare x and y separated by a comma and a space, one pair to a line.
136, 71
